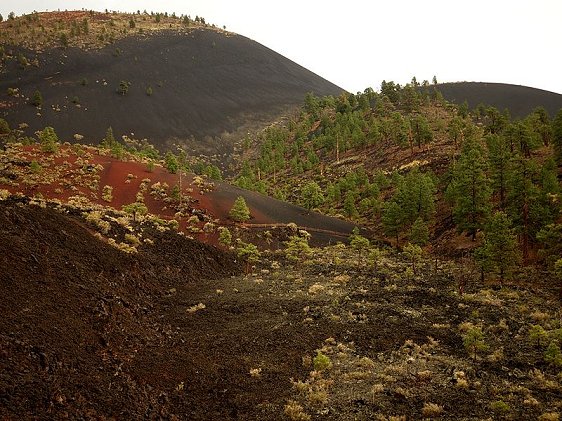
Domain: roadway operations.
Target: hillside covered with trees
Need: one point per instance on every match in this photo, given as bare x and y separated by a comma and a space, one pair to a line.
415, 168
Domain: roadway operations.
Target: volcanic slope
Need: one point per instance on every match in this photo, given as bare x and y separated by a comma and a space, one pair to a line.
74, 309
196, 83
519, 100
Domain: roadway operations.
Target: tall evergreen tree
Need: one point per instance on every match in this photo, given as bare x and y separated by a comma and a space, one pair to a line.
539, 122
419, 233
501, 253
499, 156
392, 218
523, 205
312, 195
455, 129
521, 136
421, 130
37, 99
470, 189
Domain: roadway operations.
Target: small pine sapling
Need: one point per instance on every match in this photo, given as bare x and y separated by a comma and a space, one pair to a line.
474, 341
249, 253
239, 211
359, 244
225, 237
414, 253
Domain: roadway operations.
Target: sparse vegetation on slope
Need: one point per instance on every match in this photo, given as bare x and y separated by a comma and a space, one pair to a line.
200, 86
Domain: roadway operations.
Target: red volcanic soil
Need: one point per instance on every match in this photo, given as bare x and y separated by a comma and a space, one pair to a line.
66, 174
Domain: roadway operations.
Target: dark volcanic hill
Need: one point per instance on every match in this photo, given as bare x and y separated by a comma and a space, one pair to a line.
204, 82
520, 100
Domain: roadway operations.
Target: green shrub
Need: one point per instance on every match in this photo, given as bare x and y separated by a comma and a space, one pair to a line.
48, 139
225, 237
321, 362
473, 341
37, 99
499, 406
553, 355
239, 211
538, 335
35, 167
4, 126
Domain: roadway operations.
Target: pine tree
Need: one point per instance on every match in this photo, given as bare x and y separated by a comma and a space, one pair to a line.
469, 189
501, 253
419, 233
358, 243
414, 253
455, 129
312, 195
349, 205
171, 163
297, 248
4, 127
548, 204
136, 208
540, 123
123, 88
225, 237
240, 211
499, 156
109, 142
524, 208
415, 196
249, 253
521, 136
109, 139
558, 273
421, 130
48, 139
392, 218
550, 239
37, 99
375, 256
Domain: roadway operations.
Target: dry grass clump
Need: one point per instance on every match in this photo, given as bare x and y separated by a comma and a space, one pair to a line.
317, 397
95, 218
122, 246
540, 380
460, 378
431, 410
549, 416
539, 316
132, 240
196, 308
342, 279
315, 289
295, 412
255, 372
107, 193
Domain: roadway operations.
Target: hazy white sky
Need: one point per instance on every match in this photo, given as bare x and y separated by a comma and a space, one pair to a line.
358, 43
